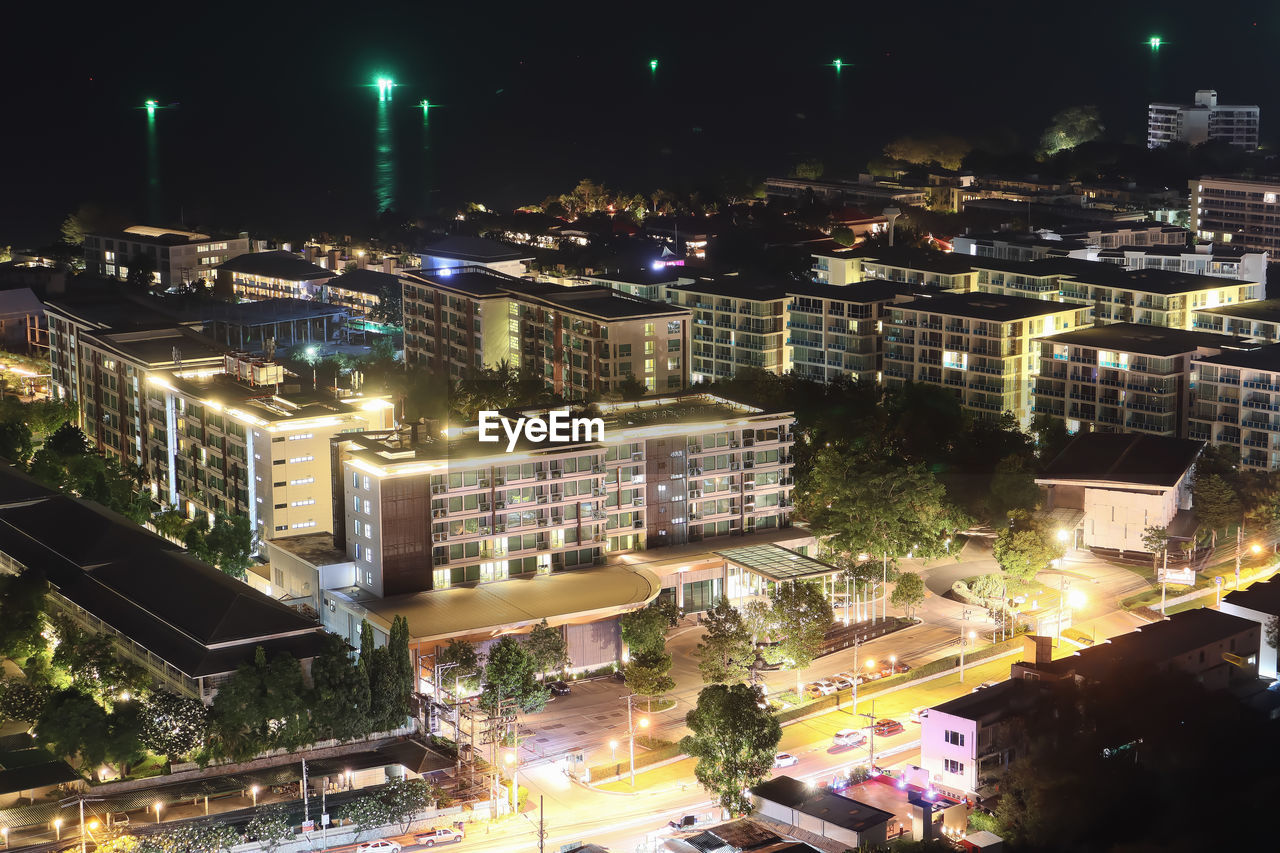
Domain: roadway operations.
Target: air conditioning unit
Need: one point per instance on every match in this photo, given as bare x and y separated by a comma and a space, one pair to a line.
734, 443
483, 483
596, 491
748, 463
555, 473
748, 442
638, 524
499, 480
542, 499
485, 507
695, 448
557, 519
748, 486
734, 466
438, 513
695, 472
499, 504
540, 474
542, 522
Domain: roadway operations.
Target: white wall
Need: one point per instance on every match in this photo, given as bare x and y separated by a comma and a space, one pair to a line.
934, 749
1266, 654
1115, 518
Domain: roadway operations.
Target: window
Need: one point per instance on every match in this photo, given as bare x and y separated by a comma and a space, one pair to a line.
366, 482
673, 328
301, 482
302, 524
301, 436
954, 738
355, 480
307, 502
953, 767
368, 507
307, 458
648, 330
355, 503
359, 551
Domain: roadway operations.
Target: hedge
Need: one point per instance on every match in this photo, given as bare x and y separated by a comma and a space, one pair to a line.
643, 759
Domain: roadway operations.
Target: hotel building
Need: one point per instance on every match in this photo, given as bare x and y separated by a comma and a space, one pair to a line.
1123, 377
837, 331
1236, 402
178, 257
580, 340
271, 275
738, 322
980, 345
1240, 211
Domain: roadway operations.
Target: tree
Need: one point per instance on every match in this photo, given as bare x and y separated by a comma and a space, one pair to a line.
21, 700
803, 616
1013, 486
1273, 632
1155, 540
734, 740
647, 673
339, 694
509, 674
1216, 502
548, 648
908, 592
467, 674
270, 825
173, 725
809, 169
401, 666
843, 236
631, 388
646, 628
1026, 546
1050, 435
868, 503
262, 706
230, 543
1069, 128
76, 725
385, 709
938, 149
727, 651
368, 811
93, 664
15, 441
203, 837
22, 601
405, 799
73, 230
758, 619
142, 271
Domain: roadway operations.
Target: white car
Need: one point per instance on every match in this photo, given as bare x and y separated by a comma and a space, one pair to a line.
785, 759
850, 737
379, 846
842, 681
822, 687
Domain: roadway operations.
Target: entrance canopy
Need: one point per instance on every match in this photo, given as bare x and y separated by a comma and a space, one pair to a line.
777, 564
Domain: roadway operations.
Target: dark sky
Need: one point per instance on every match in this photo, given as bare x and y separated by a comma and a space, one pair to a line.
276, 128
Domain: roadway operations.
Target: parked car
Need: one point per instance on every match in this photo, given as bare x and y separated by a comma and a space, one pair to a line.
819, 688
784, 759
918, 713
441, 835
849, 737
380, 845
901, 667
885, 728
842, 682
559, 688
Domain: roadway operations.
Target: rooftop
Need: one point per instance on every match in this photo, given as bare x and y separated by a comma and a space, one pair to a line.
474, 250
645, 275
990, 703
261, 312
1147, 340
741, 286
366, 281
1260, 358
263, 403
277, 264
159, 236
1124, 459
819, 803
1154, 644
1264, 310
597, 302
947, 263
776, 563
995, 307
1263, 596
874, 290
1162, 282
159, 347
471, 280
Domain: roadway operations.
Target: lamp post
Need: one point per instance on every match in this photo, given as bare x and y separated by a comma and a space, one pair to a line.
253, 790
158, 806
57, 828
631, 736
4, 833
613, 750
964, 618
511, 758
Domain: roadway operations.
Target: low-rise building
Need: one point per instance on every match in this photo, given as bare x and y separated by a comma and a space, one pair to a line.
794, 803
963, 743
1259, 319
458, 251
1236, 401
1204, 120
1238, 211
738, 321
271, 275
650, 283
176, 257
1106, 489
1202, 259
1220, 650
580, 340
980, 345
1124, 377
1259, 603
363, 292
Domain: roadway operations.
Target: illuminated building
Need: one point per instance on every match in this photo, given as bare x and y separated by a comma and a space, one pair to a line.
836, 331
1239, 211
578, 339
271, 275
738, 321
1205, 120
456, 251
176, 257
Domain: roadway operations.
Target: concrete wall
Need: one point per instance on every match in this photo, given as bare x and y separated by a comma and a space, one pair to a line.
934, 749
1116, 518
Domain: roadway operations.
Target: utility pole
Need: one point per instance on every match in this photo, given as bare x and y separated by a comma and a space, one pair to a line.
964, 620
1164, 580
306, 800
853, 709
884, 590
542, 825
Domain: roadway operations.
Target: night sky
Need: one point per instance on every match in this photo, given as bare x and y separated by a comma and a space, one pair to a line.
276, 127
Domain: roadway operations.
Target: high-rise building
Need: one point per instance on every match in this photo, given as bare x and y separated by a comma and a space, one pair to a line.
1205, 120
1235, 403
738, 322
1239, 211
175, 257
835, 332
580, 340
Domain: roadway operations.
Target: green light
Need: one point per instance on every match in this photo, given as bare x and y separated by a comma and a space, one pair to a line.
385, 85
151, 105
426, 105
1154, 41
653, 65
839, 63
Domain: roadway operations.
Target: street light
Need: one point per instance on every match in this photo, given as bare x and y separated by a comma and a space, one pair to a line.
964, 617
253, 789
613, 750
4, 833
158, 806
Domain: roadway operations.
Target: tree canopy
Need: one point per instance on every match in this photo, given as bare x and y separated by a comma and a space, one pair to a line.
727, 651
803, 616
1026, 546
509, 673
734, 740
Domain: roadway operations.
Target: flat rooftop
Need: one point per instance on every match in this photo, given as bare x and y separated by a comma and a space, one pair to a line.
263, 401
475, 250
372, 282
159, 347
821, 804
741, 286
1123, 459
995, 307
1263, 596
862, 292
1160, 282
470, 280
1261, 358
595, 301
277, 264
264, 312
578, 596
947, 263
1263, 310
1145, 339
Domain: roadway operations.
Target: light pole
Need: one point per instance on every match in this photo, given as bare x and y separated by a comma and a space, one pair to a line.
511, 760
57, 828
158, 806
613, 750
253, 789
4, 833
964, 619
631, 736
1063, 583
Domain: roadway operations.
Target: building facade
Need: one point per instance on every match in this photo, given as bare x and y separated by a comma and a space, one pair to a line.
1239, 211
271, 275
981, 346
176, 257
1205, 120
1236, 402
737, 323
420, 511
579, 340
835, 332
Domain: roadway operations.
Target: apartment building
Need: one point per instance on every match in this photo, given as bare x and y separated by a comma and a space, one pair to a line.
1203, 120
836, 264
421, 510
177, 257
965, 744
458, 252
580, 340
362, 292
979, 345
835, 332
1260, 319
919, 268
1202, 259
1236, 402
1240, 211
1123, 377
738, 322
271, 275
648, 283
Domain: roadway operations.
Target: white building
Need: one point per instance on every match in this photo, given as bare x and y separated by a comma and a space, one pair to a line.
1203, 121
1240, 211
455, 251
1110, 487
1259, 603
960, 744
